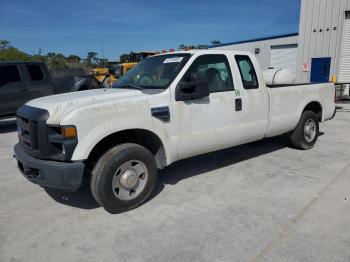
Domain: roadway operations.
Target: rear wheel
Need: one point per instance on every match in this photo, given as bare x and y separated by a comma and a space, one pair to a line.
124, 177
306, 133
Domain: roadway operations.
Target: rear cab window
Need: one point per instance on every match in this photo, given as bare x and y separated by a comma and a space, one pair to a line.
247, 71
9, 74
35, 72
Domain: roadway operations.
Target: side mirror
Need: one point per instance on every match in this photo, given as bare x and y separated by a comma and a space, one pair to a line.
197, 88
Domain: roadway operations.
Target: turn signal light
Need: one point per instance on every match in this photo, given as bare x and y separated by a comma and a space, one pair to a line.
69, 132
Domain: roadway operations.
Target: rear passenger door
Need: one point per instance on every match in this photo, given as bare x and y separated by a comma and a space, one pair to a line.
255, 99
12, 89
39, 83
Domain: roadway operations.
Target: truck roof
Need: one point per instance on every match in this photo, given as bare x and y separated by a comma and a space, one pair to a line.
208, 51
21, 62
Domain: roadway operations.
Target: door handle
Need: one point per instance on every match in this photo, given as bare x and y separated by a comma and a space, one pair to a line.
238, 104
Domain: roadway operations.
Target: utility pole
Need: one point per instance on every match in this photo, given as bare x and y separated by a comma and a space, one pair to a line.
102, 49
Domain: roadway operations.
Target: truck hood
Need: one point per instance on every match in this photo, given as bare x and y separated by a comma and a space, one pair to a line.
60, 105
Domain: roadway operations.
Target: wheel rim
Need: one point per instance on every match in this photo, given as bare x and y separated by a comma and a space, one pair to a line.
310, 130
130, 180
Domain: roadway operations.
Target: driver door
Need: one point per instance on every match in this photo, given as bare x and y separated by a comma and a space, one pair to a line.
209, 123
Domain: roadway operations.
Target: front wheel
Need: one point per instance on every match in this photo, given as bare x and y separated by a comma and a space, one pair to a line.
306, 133
124, 177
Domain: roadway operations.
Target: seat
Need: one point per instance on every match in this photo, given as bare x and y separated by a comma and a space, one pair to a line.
216, 84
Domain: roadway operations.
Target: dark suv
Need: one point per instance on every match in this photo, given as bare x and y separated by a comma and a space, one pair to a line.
23, 81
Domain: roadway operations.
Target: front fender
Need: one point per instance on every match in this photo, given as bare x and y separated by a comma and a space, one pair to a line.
94, 124
87, 143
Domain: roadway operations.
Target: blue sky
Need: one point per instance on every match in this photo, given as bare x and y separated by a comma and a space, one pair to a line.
76, 27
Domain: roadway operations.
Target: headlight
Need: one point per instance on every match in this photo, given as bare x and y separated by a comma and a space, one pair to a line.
62, 141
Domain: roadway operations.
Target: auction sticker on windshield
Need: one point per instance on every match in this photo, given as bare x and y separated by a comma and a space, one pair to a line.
176, 59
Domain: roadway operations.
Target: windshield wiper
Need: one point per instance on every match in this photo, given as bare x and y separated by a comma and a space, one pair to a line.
131, 87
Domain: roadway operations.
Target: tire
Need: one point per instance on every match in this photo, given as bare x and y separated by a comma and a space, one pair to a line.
88, 85
124, 177
306, 133
83, 88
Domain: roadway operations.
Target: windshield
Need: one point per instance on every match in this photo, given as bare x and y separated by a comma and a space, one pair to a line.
156, 72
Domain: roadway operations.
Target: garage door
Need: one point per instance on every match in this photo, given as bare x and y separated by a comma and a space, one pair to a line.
344, 62
285, 57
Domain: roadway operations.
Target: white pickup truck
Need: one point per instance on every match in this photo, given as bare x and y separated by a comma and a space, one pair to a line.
168, 107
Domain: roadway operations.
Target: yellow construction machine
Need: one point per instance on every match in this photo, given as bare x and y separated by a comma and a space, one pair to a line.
109, 72
105, 74
133, 59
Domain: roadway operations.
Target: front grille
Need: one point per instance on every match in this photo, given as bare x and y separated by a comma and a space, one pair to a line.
32, 133
27, 133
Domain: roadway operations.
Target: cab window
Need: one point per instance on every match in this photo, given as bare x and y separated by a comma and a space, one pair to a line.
248, 75
217, 69
35, 72
9, 74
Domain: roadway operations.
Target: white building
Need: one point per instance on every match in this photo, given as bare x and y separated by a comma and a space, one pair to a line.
320, 52
276, 51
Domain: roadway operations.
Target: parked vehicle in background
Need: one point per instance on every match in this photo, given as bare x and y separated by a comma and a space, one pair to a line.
105, 75
24, 81
169, 107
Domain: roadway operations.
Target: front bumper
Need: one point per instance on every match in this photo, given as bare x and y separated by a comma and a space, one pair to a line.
53, 174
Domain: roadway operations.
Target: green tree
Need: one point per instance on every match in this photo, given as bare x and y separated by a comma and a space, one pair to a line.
54, 60
60, 56
38, 58
13, 54
57, 63
215, 42
4, 44
73, 59
185, 47
182, 47
202, 47
124, 58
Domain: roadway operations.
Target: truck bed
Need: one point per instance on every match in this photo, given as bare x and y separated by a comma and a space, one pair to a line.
288, 101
